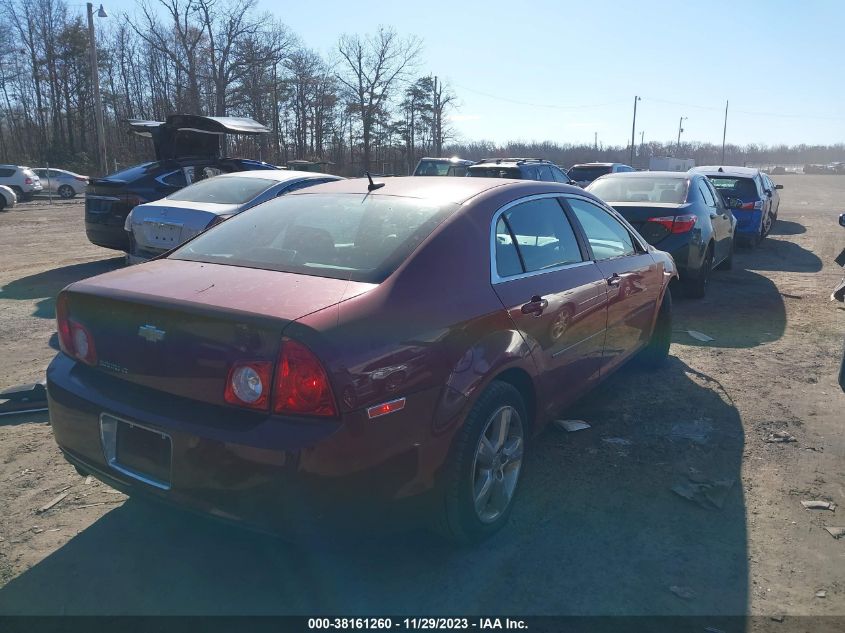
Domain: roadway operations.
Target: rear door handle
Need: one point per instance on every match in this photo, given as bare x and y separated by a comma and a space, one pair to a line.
535, 306
614, 280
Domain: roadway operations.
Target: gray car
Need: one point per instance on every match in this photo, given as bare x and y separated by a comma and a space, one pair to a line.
8, 198
64, 183
157, 227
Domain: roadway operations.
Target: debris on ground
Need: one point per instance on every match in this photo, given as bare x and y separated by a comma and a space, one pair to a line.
821, 594
707, 494
682, 592
780, 436
24, 398
700, 336
56, 500
819, 505
696, 431
618, 441
88, 480
836, 532
571, 425
789, 296
777, 618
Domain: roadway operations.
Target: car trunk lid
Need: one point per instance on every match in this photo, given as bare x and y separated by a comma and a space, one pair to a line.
165, 224
638, 214
192, 136
176, 326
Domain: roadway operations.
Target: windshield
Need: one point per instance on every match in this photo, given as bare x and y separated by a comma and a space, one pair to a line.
742, 188
588, 173
640, 189
344, 236
432, 168
494, 172
228, 190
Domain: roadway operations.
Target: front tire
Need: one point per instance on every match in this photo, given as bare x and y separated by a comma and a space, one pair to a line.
657, 351
482, 476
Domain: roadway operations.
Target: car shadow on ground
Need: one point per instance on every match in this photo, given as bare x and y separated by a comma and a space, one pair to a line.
596, 530
46, 285
787, 227
741, 309
778, 255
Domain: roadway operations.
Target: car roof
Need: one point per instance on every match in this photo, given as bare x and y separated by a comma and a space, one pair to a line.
680, 175
454, 160
456, 190
280, 175
716, 170
594, 165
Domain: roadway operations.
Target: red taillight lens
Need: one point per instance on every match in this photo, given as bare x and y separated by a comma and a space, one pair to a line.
676, 223
74, 338
133, 200
302, 385
249, 383
752, 206
80, 178
27, 181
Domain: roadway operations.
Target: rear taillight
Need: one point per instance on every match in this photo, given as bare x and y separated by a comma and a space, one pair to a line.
249, 384
752, 206
676, 223
133, 200
80, 178
27, 181
74, 338
302, 385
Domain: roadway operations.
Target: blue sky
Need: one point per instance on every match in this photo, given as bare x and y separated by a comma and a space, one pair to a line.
562, 71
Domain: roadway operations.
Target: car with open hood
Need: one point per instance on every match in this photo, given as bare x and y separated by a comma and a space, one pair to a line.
678, 212
187, 148
157, 227
315, 361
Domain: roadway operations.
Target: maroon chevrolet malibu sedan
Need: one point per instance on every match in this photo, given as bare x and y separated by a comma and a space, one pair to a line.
355, 347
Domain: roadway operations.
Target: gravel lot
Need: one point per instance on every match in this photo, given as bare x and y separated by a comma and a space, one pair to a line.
596, 530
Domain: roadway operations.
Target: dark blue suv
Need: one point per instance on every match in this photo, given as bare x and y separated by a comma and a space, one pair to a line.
519, 168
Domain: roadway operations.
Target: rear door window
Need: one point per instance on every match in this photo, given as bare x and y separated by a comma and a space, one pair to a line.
540, 235
607, 236
709, 199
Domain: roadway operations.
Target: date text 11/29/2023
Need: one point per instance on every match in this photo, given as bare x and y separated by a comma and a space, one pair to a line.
415, 624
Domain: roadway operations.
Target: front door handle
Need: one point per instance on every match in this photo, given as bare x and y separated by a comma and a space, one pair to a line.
535, 306
614, 280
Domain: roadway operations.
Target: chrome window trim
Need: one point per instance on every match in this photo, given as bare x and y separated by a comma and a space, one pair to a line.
160, 179
494, 273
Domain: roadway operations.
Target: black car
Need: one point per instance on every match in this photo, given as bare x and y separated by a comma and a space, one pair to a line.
187, 148
520, 168
585, 173
680, 213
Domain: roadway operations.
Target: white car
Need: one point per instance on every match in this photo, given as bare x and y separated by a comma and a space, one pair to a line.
66, 184
8, 198
22, 180
157, 227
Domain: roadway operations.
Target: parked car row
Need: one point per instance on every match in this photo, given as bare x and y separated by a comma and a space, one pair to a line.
26, 182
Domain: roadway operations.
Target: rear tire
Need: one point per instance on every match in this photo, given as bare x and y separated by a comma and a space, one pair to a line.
66, 192
486, 458
696, 288
656, 352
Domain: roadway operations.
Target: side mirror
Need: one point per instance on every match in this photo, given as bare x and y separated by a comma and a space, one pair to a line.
778, 186
842, 219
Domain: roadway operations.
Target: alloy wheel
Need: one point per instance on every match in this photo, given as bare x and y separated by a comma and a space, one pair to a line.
497, 464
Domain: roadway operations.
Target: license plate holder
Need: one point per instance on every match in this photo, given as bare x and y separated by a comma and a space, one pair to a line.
164, 233
136, 450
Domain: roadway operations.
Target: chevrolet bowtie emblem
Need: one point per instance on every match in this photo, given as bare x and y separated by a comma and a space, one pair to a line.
151, 333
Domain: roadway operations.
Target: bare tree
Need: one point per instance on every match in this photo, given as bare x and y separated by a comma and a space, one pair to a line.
371, 66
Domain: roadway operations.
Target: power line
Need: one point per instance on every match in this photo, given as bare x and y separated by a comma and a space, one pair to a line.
539, 105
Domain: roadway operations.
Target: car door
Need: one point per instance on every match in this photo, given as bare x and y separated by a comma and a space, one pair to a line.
719, 219
631, 275
554, 294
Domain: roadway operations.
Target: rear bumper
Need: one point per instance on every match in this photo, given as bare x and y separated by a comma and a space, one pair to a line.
687, 252
266, 472
106, 235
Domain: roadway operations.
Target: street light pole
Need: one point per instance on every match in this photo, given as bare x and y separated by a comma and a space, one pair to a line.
634, 130
724, 132
680, 129
95, 81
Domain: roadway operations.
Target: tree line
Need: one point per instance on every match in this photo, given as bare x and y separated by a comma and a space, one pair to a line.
366, 105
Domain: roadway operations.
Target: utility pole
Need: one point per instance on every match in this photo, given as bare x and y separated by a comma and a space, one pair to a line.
634, 129
680, 129
95, 80
596, 141
724, 132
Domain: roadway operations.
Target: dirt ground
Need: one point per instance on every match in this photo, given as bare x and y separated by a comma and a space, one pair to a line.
596, 530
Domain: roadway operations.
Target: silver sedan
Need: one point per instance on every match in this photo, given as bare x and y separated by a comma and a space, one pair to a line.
64, 183
8, 198
157, 227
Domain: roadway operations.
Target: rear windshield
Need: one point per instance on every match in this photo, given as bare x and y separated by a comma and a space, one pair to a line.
343, 236
228, 190
494, 172
743, 188
640, 189
588, 173
432, 168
